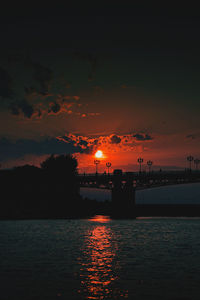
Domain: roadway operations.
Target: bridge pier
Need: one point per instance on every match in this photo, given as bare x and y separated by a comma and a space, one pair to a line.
123, 196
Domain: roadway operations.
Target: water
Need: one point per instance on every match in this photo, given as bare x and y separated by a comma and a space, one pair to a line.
100, 259
176, 194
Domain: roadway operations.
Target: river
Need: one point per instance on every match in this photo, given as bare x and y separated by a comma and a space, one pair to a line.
100, 258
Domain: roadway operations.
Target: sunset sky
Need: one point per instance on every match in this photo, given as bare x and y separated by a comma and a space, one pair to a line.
122, 79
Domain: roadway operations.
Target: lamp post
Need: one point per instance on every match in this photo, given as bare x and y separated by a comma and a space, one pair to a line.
149, 164
96, 162
197, 162
190, 159
140, 160
108, 165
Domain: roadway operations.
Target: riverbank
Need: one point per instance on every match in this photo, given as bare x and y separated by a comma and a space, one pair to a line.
106, 208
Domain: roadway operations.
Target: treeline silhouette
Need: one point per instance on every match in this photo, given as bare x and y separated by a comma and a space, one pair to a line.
51, 191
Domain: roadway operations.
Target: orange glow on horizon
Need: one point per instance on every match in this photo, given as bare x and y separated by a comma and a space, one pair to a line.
100, 218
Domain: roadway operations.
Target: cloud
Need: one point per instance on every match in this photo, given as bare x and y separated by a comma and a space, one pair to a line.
142, 137
36, 104
76, 98
115, 139
111, 143
84, 143
35, 92
68, 143
55, 108
22, 106
193, 136
43, 75
32, 93
16, 149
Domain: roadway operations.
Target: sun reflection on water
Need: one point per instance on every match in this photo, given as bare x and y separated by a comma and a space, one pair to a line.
99, 264
100, 219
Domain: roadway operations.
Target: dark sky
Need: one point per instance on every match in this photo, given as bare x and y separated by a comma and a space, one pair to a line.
72, 77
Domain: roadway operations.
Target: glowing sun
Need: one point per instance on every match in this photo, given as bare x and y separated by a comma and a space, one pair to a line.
99, 154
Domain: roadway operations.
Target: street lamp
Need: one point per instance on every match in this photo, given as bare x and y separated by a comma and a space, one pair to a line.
197, 162
96, 162
140, 160
108, 165
149, 164
190, 159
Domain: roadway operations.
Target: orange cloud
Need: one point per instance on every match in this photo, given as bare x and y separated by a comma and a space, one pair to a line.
108, 143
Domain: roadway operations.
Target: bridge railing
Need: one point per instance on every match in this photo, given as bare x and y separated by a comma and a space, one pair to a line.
140, 174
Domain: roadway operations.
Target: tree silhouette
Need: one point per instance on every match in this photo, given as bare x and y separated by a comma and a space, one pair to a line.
60, 165
59, 177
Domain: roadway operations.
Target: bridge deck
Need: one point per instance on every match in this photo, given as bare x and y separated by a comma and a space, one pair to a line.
139, 180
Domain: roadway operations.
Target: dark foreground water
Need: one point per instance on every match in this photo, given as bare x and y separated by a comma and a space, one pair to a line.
100, 259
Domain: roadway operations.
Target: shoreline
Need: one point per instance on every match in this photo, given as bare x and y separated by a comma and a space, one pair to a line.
146, 210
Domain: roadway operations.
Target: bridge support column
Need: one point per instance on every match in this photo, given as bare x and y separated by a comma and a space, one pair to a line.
123, 197
129, 195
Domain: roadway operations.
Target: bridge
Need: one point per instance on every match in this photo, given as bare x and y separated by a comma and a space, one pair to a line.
138, 180
124, 185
